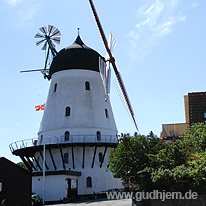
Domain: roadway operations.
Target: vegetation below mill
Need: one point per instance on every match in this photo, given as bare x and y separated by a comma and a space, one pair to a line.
152, 164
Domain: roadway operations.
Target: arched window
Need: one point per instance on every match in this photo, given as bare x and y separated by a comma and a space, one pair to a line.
55, 87
87, 85
106, 113
100, 157
67, 111
66, 158
41, 139
98, 135
89, 182
66, 136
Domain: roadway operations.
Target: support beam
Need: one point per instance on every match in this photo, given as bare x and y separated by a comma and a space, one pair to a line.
73, 157
38, 164
83, 156
63, 164
43, 160
26, 163
30, 162
52, 158
105, 150
95, 150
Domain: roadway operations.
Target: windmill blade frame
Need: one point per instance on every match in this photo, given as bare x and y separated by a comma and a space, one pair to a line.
44, 46
56, 40
40, 41
48, 36
38, 35
51, 29
56, 33
113, 63
43, 29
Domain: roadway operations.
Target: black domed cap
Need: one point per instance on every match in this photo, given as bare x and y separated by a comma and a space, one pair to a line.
76, 56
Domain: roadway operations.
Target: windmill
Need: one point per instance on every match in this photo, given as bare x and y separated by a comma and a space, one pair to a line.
112, 61
48, 37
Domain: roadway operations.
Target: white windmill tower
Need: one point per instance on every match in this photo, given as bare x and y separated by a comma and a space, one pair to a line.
78, 130
78, 127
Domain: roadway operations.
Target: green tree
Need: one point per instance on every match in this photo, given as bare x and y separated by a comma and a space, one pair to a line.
195, 137
172, 155
21, 164
131, 156
152, 164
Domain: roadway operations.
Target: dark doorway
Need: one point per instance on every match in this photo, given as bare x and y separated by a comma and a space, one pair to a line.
69, 188
72, 186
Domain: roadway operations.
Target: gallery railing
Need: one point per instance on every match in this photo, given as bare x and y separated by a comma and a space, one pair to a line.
62, 140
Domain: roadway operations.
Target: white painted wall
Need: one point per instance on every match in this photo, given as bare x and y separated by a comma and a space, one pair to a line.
102, 180
55, 186
87, 106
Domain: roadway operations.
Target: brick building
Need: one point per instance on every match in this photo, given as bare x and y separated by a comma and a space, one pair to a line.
195, 111
197, 107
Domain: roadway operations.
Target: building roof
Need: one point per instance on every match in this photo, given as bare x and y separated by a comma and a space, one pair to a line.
4, 161
76, 56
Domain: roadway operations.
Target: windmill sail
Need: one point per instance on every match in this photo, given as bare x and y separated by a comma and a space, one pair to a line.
123, 90
102, 69
111, 45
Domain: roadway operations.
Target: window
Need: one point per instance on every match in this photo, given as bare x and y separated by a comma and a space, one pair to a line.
55, 87
66, 136
66, 158
89, 182
98, 135
87, 85
67, 111
106, 113
41, 139
100, 157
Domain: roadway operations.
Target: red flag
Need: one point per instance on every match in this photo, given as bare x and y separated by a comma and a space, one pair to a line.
39, 107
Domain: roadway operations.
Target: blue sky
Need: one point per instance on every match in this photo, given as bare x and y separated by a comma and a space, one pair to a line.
160, 53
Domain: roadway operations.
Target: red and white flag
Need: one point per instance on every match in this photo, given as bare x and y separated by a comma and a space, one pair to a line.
39, 107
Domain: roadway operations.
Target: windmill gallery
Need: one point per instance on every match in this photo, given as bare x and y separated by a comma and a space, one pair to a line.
70, 156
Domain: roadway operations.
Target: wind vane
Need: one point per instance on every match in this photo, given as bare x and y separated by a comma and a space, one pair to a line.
47, 36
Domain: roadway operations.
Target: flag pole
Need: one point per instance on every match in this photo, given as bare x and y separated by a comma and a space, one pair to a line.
44, 158
38, 108
44, 147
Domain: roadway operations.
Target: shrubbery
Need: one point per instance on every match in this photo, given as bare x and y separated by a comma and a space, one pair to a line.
153, 164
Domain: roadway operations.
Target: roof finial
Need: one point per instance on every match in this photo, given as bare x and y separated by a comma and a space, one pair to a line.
78, 31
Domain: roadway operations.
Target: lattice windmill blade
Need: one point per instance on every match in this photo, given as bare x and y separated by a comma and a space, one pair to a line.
111, 45
56, 33
56, 40
39, 42
51, 29
44, 46
38, 35
111, 42
43, 29
123, 90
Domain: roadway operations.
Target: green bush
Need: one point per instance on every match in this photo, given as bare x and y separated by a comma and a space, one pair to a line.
152, 164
